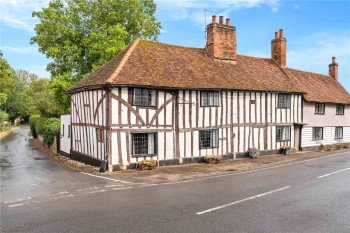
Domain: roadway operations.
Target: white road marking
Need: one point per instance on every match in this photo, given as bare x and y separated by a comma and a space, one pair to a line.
107, 178
239, 201
60, 197
55, 194
18, 200
250, 171
84, 189
333, 172
96, 191
113, 185
122, 188
16, 205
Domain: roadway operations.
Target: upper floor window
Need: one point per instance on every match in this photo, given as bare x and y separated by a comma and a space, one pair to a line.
283, 133
338, 132
209, 98
317, 133
144, 97
208, 138
283, 101
319, 108
144, 143
340, 109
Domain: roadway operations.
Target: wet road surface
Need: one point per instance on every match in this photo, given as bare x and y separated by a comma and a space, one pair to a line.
28, 173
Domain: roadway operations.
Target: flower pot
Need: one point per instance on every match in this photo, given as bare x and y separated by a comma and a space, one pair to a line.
212, 160
147, 167
286, 151
254, 155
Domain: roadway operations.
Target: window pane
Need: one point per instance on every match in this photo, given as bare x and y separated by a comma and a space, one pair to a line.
137, 97
151, 144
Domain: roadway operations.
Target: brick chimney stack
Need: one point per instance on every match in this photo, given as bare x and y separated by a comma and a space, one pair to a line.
333, 69
279, 49
221, 40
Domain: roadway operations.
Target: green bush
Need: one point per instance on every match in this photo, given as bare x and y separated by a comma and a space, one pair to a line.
32, 124
48, 128
3, 118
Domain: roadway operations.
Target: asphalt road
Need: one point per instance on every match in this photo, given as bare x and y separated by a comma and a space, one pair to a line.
307, 196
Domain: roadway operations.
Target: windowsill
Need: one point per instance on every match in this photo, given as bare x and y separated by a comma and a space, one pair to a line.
283, 107
143, 106
204, 148
319, 113
317, 139
339, 114
210, 106
283, 140
144, 155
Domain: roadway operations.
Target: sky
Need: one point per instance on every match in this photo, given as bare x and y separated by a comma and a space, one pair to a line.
316, 30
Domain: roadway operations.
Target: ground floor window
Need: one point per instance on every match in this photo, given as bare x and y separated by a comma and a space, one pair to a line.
283, 133
317, 133
338, 132
144, 143
68, 131
100, 135
208, 138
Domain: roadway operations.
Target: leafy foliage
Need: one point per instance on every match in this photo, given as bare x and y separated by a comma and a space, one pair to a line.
48, 128
32, 124
81, 35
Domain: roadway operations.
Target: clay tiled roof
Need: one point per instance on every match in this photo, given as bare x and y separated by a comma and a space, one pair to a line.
318, 87
154, 64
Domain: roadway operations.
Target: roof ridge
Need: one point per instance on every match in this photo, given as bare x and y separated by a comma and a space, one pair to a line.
326, 75
182, 46
123, 61
242, 55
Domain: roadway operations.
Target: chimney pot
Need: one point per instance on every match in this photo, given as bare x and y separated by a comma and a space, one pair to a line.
281, 33
333, 60
213, 19
221, 19
279, 49
276, 35
228, 21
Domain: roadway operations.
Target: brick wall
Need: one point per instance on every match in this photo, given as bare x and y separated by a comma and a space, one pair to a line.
279, 49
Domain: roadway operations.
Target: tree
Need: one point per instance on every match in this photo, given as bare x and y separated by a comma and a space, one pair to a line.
81, 35
7, 81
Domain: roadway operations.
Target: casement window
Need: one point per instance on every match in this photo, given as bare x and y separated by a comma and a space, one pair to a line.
100, 135
208, 138
319, 108
283, 133
68, 131
209, 98
317, 133
62, 131
283, 101
340, 109
144, 97
338, 132
144, 143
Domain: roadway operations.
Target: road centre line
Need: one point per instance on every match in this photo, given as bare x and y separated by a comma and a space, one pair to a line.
251, 171
107, 178
113, 185
242, 200
122, 188
16, 205
96, 191
333, 172
18, 200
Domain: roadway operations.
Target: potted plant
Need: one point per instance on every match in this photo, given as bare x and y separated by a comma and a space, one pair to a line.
339, 146
329, 147
346, 145
253, 152
322, 147
213, 159
286, 150
147, 165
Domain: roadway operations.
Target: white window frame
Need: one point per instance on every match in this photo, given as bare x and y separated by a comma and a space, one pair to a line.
320, 108
316, 134
283, 133
283, 100
337, 134
210, 98
339, 109
211, 136
144, 97
149, 147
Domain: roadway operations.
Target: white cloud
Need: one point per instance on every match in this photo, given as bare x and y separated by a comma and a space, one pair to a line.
18, 13
21, 50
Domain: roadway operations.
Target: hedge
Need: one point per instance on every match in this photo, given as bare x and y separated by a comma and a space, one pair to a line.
48, 128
